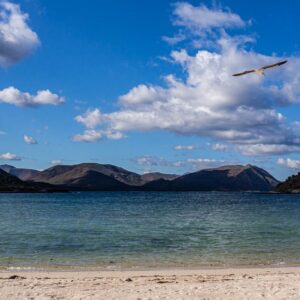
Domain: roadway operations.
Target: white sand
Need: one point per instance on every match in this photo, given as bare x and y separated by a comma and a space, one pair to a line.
264, 283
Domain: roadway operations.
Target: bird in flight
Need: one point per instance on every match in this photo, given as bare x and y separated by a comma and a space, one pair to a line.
261, 70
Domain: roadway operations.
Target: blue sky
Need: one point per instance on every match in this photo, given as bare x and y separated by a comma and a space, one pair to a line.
112, 57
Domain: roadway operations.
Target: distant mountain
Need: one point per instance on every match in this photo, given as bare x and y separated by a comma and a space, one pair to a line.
157, 176
89, 176
23, 174
291, 185
227, 178
98, 177
10, 183
159, 185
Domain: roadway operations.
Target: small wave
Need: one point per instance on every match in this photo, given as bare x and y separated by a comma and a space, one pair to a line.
19, 268
280, 263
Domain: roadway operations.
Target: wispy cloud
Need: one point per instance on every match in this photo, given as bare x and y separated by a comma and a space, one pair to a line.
268, 149
172, 40
185, 147
219, 147
200, 163
56, 162
151, 163
201, 19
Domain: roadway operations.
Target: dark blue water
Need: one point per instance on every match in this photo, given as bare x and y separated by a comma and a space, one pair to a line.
135, 229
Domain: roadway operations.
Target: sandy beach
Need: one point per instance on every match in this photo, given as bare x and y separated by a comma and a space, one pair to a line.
251, 283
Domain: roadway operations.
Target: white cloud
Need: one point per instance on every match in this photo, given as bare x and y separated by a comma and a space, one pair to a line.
184, 147
174, 39
289, 163
30, 140
146, 160
201, 18
191, 164
90, 119
204, 163
13, 96
9, 156
17, 39
269, 149
219, 147
208, 101
114, 135
89, 136
56, 162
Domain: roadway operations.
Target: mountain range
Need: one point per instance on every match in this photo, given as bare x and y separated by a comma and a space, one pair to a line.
106, 177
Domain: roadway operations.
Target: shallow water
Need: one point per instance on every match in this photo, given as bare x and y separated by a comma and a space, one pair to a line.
136, 229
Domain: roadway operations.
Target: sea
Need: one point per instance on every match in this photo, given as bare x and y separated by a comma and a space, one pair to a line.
144, 230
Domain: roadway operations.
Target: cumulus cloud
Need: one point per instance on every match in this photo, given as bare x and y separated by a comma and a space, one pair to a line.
90, 119
289, 163
13, 96
17, 39
30, 140
207, 101
9, 156
210, 102
184, 147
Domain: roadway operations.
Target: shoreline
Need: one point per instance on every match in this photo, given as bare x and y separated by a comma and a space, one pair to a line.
226, 283
77, 269
151, 271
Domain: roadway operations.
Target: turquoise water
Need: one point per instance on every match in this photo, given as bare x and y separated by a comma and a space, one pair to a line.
141, 230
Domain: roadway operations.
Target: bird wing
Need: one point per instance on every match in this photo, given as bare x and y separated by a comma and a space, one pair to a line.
243, 73
274, 65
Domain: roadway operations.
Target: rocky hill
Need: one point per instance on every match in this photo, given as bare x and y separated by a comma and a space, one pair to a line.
291, 185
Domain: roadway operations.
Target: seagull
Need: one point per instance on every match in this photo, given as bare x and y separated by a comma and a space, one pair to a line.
260, 71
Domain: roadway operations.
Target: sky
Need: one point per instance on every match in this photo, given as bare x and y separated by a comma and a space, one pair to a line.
148, 86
